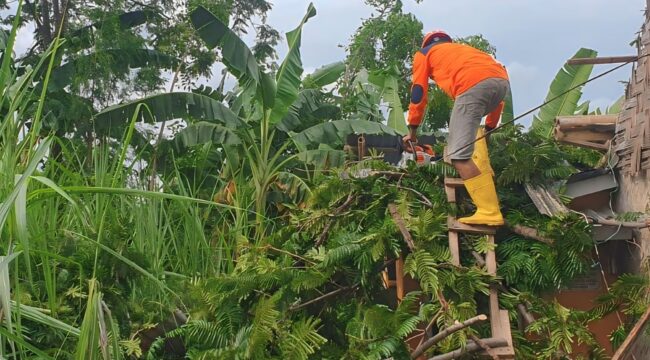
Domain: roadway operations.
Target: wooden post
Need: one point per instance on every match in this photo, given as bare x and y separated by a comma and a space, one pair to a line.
495, 316
399, 278
454, 248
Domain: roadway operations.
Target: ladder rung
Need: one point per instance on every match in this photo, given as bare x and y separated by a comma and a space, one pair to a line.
454, 182
455, 225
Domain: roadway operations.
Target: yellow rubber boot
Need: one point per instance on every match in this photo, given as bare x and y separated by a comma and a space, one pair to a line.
480, 155
481, 190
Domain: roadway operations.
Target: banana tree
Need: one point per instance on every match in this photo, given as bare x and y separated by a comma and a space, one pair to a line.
271, 122
567, 78
274, 105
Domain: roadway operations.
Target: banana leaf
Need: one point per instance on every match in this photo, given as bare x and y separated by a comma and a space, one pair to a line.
389, 84
616, 107
289, 77
323, 158
190, 106
307, 109
324, 76
568, 77
204, 132
237, 57
334, 132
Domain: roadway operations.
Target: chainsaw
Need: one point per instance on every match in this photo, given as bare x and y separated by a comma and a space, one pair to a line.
392, 149
423, 155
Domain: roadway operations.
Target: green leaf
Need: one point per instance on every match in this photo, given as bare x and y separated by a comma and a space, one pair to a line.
290, 72
323, 158
389, 85
65, 74
170, 106
204, 133
40, 316
126, 20
324, 76
92, 331
237, 57
308, 110
268, 90
8, 48
334, 132
568, 77
82, 37
616, 107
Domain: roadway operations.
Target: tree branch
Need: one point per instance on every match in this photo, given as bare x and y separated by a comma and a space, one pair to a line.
470, 348
323, 236
323, 297
445, 333
484, 346
529, 232
424, 199
392, 208
338, 291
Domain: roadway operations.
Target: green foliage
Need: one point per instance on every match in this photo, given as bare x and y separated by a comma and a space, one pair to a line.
561, 329
287, 261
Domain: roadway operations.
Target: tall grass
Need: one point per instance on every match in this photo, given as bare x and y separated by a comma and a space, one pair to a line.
86, 259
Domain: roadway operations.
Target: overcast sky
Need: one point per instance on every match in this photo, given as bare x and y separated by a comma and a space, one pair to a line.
533, 38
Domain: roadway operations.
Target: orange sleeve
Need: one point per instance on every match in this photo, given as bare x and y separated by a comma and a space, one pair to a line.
493, 118
419, 89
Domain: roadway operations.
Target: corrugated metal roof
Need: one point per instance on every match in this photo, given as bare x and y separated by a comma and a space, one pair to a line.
547, 201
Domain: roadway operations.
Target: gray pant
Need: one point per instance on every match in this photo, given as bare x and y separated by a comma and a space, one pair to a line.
469, 109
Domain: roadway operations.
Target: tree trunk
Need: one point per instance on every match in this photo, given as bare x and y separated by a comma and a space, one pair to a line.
46, 24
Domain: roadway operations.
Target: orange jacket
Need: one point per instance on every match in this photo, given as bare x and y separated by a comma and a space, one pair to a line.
455, 68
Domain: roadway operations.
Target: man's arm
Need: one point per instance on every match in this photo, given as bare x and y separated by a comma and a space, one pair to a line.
419, 89
492, 119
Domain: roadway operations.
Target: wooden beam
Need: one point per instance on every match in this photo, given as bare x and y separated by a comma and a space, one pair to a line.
623, 351
454, 182
455, 225
399, 278
584, 135
602, 60
582, 120
454, 248
495, 315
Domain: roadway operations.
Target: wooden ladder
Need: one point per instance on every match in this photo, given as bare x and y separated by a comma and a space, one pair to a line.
499, 320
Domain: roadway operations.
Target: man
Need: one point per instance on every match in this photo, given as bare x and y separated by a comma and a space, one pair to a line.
478, 84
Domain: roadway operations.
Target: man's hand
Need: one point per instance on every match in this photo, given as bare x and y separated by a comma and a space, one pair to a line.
411, 139
487, 132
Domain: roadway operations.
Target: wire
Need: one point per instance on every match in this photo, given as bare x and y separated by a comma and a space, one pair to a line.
549, 101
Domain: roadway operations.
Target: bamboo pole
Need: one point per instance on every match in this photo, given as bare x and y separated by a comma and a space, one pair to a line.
602, 60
